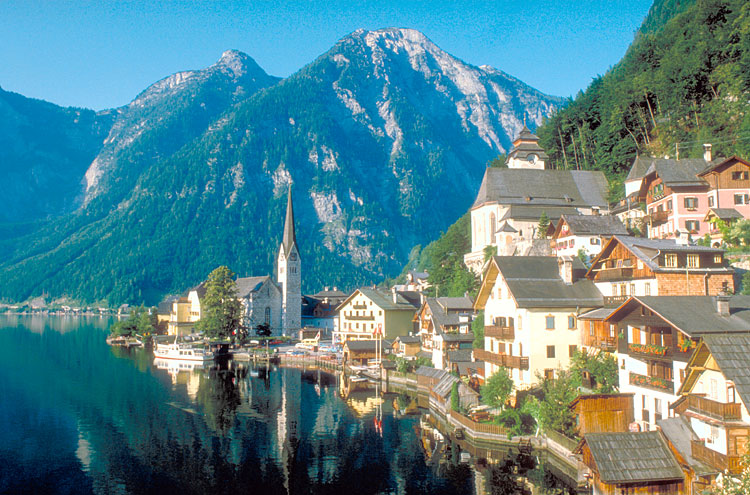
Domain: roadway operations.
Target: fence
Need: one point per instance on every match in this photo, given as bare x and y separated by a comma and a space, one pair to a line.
470, 424
557, 437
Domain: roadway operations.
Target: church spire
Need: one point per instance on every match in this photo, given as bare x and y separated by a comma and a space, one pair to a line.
290, 239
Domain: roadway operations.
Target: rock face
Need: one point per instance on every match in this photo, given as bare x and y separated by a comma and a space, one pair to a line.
384, 139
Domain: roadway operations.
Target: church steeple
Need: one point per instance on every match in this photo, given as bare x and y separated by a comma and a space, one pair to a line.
290, 238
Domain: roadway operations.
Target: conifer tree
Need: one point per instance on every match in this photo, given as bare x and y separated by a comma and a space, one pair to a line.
220, 307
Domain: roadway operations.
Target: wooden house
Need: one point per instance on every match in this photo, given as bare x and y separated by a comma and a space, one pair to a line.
444, 325
603, 413
406, 346
359, 352
588, 233
632, 463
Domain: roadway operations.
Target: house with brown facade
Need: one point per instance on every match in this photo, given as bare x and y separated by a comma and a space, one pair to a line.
588, 233
444, 325
602, 413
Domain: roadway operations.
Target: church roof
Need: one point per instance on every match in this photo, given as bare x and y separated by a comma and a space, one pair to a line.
290, 237
572, 188
248, 285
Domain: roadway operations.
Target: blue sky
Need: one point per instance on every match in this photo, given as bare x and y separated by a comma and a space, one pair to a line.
101, 54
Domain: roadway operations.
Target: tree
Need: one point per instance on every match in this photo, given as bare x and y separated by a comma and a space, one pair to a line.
559, 392
140, 321
455, 398
603, 369
497, 389
477, 327
263, 330
220, 307
734, 485
541, 231
489, 252
498, 161
746, 283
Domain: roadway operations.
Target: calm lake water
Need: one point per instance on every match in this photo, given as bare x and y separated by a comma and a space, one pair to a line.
81, 417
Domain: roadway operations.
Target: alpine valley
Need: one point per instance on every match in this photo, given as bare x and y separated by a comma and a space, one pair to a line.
384, 139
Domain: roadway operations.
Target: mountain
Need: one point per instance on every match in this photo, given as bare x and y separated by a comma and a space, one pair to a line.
44, 151
384, 138
684, 81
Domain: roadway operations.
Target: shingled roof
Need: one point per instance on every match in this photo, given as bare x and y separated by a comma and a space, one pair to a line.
629, 457
248, 285
534, 282
732, 355
543, 187
679, 433
384, 299
639, 168
593, 225
693, 315
676, 173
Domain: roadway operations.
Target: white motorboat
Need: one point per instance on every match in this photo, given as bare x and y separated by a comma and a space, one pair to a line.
183, 352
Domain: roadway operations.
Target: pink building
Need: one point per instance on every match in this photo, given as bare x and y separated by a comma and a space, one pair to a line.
679, 194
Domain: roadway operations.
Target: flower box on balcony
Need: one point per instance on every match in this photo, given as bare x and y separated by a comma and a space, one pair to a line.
653, 349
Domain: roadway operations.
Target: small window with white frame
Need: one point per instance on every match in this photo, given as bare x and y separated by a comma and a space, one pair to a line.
693, 261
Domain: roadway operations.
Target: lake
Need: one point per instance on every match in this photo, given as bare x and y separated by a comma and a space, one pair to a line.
81, 417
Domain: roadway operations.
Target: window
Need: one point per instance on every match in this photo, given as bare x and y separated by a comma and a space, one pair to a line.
669, 205
632, 289
647, 288
670, 260
550, 351
611, 331
591, 329
595, 241
571, 322
692, 225
549, 374
691, 203
710, 201
693, 261
572, 242
518, 323
550, 322
717, 259
738, 175
741, 199
268, 316
730, 394
572, 350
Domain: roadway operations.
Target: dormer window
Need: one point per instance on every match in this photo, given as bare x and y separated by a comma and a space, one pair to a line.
670, 260
693, 261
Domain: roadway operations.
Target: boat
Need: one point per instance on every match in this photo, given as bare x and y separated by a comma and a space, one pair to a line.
183, 352
123, 341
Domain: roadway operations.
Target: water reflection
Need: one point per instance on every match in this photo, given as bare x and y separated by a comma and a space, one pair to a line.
86, 418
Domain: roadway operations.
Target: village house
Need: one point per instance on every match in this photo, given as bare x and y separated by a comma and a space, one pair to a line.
186, 310
531, 306
587, 233
319, 311
444, 324
361, 352
511, 200
406, 346
602, 413
415, 282
714, 400
657, 338
726, 215
631, 463
370, 311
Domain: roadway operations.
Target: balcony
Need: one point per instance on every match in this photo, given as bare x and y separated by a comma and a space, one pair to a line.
608, 345
359, 318
621, 273
359, 306
651, 350
711, 408
505, 360
500, 332
657, 217
652, 382
717, 460
614, 301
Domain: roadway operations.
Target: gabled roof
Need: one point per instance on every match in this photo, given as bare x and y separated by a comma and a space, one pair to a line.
534, 212
543, 187
534, 282
679, 433
639, 168
446, 311
248, 285
723, 214
677, 173
693, 315
384, 299
732, 355
604, 225
720, 163
444, 386
199, 289
431, 372
629, 457
460, 355
364, 345
648, 250
408, 339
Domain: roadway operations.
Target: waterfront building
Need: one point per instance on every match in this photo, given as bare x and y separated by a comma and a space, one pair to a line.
369, 312
185, 311
531, 306
406, 346
360, 352
444, 324
586, 233
510, 201
602, 413
657, 338
714, 400
319, 310
261, 302
637, 463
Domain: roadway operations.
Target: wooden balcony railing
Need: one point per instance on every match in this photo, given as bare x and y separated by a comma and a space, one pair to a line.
500, 332
708, 407
624, 272
657, 217
652, 382
614, 301
505, 360
359, 306
722, 462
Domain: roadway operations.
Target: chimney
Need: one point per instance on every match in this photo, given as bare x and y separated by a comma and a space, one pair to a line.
707, 152
565, 265
722, 303
395, 295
